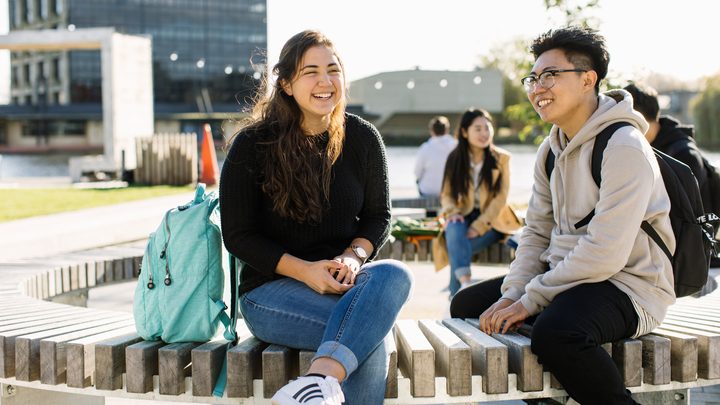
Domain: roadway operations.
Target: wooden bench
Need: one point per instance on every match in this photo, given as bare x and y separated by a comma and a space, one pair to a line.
421, 250
66, 351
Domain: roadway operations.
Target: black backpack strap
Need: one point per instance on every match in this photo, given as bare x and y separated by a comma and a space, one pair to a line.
549, 162
601, 141
650, 231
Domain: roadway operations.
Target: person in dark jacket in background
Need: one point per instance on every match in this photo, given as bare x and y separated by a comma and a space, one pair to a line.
667, 135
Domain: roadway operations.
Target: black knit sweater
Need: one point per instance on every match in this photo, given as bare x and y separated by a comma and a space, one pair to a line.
359, 206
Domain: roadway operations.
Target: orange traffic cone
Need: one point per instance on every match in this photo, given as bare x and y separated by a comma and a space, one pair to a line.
209, 171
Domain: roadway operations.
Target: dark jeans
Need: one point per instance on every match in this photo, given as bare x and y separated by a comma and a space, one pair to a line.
567, 334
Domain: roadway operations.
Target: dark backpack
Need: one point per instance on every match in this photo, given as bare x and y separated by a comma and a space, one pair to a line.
690, 224
710, 189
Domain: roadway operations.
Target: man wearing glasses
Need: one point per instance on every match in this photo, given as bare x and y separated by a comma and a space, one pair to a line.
583, 279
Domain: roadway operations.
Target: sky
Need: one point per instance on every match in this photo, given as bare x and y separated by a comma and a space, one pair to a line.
372, 36
678, 38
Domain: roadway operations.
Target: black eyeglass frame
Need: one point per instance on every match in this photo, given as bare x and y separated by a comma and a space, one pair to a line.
536, 78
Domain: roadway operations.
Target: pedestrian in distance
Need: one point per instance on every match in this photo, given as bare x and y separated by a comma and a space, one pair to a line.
583, 280
431, 157
305, 206
474, 195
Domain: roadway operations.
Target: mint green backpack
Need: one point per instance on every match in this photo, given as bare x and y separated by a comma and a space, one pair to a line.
179, 293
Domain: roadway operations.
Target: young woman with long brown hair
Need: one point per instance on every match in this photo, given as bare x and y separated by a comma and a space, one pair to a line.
305, 205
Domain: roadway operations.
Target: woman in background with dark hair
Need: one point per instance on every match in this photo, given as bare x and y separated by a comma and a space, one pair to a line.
474, 194
305, 205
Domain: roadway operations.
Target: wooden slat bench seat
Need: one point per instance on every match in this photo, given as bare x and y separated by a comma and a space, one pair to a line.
421, 250
65, 350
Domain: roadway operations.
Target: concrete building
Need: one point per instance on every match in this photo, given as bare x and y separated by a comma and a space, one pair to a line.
201, 51
402, 103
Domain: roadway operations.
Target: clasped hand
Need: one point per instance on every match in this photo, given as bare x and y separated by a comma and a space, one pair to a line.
471, 232
503, 316
334, 276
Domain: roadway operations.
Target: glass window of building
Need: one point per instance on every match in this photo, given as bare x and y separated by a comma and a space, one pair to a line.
44, 12
26, 73
29, 11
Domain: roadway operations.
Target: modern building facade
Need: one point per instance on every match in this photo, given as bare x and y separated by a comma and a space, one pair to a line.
402, 103
202, 66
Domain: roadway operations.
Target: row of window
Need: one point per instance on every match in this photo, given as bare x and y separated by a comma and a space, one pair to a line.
30, 11
47, 71
53, 128
52, 98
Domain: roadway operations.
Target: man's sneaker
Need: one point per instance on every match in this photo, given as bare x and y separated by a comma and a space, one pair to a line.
310, 390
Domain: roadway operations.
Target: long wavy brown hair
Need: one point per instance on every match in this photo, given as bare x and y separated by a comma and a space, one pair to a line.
297, 166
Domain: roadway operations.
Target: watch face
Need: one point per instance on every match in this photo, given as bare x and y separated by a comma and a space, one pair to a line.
360, 252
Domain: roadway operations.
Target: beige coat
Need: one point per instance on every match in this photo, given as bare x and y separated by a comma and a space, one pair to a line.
494, 211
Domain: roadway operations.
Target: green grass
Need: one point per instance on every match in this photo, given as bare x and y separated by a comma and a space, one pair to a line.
24, 203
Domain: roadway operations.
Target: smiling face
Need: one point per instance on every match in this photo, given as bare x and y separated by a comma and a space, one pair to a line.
318, 87
568, 103
480, 133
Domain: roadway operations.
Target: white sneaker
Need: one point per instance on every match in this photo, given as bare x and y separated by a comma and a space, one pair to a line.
310, 390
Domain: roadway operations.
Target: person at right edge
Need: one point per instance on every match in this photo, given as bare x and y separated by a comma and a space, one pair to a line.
667, 135
599, 282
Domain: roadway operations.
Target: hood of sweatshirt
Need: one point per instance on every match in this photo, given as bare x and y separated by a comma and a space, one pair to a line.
670, 132
613, 106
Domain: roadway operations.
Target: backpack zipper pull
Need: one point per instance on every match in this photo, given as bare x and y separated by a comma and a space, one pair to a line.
150, 284
168, 281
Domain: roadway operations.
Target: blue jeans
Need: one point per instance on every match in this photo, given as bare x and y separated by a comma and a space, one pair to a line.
352, 329
460, 249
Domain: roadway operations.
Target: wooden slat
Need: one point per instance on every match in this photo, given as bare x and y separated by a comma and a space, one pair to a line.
708, 349
53, 351
110, 361
391, 384
174, 363
521, 360
655, 359
244, 365
627, 355
27, 347
81, 355
38, 315
279, 365
416, 358
304, 360
141, 361
207, 360
489, 357
7, 337
683, 355
452, 357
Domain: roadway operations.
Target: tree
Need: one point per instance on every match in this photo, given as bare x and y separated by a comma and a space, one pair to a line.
514, 61
706, 111
573, 12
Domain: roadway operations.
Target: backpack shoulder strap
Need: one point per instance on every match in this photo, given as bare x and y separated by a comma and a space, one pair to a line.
601, 141
549, 163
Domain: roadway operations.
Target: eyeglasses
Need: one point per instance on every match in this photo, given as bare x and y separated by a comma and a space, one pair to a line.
546, 79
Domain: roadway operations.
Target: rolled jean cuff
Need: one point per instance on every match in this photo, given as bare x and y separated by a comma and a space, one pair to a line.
340, 353
461, 272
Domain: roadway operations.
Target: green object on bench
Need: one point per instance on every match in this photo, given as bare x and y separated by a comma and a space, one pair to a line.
402, 227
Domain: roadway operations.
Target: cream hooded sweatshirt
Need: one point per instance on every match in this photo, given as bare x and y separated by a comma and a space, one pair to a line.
612, 246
